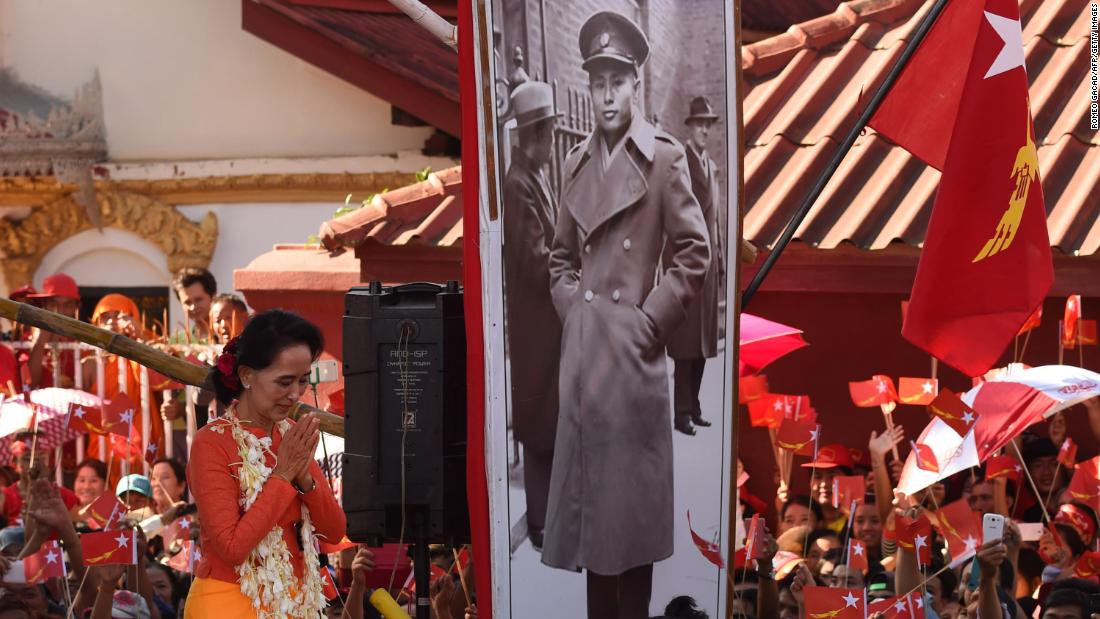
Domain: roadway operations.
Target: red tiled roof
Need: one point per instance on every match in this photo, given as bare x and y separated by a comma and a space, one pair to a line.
381, 51
777, 15
428, 212
802, 95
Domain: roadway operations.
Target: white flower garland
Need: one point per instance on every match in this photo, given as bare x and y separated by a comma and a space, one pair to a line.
267, 576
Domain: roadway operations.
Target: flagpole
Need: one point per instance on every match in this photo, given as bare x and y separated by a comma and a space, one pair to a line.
834, 163
1034, 488
1061, 350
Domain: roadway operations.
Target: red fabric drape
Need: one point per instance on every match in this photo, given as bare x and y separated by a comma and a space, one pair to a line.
477, 490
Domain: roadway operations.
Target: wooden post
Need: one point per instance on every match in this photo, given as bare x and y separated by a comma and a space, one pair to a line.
191, 395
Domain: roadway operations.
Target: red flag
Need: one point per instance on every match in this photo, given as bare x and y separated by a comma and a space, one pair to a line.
110, 547
752, 388
857, 556
118, 415
46, 563
1088, 332
834, 603
1003, 466
962, 528
461, 561
1067, 455
875, 392
900, 607
1071, 321
105, 512
848, 488
915, 536
919, 391
186, 559
796, 435
709, 550
1033, 321
766, 412
949, 407
926, 458
1087, 566
84, 419
961, 105
328, 587
1085, 485
180, 529
343, 544
151, 453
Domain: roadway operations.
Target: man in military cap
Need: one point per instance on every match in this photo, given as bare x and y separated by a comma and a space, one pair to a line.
696, 339
533, 327
626, 196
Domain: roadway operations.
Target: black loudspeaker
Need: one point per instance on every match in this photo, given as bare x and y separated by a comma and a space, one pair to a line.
405, 391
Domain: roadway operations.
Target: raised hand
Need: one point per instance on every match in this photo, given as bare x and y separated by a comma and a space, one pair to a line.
882, 444
362, 565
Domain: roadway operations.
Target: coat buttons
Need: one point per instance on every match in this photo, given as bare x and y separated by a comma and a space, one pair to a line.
588, 296
626, 244
587, 248
615, 296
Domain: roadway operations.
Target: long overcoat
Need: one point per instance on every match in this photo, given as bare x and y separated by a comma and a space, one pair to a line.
697, 336
611, 489
533, 326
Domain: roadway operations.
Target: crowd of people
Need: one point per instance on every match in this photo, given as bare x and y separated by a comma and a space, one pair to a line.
173, 521
1044, 565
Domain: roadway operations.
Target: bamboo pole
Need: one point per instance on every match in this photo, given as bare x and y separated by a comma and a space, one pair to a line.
168, 434
101, 391
146, 418
430, 20
173, 367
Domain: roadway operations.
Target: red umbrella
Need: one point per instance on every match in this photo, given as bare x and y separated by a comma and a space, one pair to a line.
764, 341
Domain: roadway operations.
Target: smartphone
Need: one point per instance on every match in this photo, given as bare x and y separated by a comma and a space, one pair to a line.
16, 573
1030, 531
993, 527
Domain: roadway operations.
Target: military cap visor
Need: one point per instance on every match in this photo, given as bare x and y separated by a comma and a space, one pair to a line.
609, 36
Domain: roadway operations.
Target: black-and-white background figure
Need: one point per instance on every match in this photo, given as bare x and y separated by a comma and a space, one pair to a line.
691, 48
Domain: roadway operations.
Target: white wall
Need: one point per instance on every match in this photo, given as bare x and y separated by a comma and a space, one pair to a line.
247, 230
182, 80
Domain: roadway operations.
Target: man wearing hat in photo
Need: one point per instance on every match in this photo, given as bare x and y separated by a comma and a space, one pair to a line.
832, 461
533, 328
626, 199
696, 339
60, 295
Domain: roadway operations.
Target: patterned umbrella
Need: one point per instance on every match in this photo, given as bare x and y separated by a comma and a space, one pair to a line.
1006, 406
52, 407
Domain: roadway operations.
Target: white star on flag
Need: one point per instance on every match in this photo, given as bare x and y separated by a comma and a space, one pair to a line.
1011, 54
127, 417
813, 435
971, 543
968, 417
880, 387
51, 557
850, 600
185, 523
919, 601
778, 405
1065, 445
858, 549
921, 541
927, 387
122, 540
78, 413
899, 606
152, 448
1019, 468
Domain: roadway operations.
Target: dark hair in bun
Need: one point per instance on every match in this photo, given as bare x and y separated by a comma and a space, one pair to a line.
264, 337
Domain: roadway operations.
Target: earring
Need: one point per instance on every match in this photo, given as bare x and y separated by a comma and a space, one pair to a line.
248, 386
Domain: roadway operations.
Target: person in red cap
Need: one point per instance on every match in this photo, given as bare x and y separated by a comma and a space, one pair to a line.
832, 461
61, 295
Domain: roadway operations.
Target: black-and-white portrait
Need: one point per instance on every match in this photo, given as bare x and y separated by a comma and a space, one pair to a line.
612, 134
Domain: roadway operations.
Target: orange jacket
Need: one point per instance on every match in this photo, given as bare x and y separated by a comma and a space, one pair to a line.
228, 533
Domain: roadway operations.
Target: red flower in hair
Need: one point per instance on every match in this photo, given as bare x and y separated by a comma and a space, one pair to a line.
227, 366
